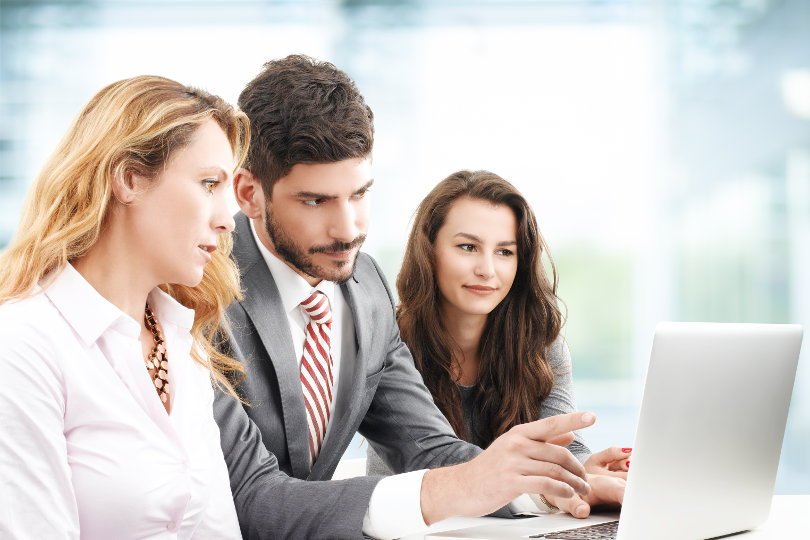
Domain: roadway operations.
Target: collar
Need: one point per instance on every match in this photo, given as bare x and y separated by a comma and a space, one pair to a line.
90, 314
170, 310
292, 287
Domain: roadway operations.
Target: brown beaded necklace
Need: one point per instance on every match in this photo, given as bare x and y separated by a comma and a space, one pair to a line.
157, 362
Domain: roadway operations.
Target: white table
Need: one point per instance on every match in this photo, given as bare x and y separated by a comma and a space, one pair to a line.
789, 518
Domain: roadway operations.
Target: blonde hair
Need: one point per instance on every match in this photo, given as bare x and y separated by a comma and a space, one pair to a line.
129, 127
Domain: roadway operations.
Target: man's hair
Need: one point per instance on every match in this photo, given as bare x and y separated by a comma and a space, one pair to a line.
303, 111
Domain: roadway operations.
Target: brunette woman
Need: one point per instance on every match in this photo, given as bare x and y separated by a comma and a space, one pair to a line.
481, 316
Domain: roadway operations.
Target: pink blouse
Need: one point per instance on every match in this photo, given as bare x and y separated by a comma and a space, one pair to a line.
86, 447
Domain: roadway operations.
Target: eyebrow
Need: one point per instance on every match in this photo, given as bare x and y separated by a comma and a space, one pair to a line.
314, 195
216, 169
474, 238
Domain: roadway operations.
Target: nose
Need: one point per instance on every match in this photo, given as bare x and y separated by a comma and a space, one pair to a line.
221, 218
485, 266
345, 222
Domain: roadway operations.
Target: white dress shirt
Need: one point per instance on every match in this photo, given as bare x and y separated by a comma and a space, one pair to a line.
87, 448
395, 508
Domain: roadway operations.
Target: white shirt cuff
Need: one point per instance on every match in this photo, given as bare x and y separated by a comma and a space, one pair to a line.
523, 505
395, 507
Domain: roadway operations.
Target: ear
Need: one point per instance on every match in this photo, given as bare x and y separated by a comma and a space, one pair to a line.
249, 193
126, 186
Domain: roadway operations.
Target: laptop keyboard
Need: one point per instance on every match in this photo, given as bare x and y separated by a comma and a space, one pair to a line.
601, 531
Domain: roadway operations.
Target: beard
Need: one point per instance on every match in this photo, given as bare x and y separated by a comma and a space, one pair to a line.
301, 259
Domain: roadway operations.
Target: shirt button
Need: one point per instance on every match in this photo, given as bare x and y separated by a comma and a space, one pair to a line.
170, 526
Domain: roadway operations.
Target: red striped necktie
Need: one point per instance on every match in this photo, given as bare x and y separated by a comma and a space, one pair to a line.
316, 369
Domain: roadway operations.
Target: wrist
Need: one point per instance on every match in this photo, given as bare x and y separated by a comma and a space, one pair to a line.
543, 504
440, 494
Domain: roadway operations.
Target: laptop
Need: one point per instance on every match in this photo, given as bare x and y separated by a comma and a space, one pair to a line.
707, 442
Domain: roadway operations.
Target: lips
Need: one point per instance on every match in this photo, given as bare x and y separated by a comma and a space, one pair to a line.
480, 289
207, 250
339, 254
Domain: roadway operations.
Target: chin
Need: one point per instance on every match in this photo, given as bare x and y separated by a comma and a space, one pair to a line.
191, 279
337, 271
479, 309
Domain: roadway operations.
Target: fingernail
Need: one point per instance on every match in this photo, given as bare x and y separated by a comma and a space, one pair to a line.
627, 450
628, 464
588, 417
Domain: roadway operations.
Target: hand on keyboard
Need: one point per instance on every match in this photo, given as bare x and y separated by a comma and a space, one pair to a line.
605, 490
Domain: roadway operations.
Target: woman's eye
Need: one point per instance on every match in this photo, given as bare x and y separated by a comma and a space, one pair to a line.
210, 184
506, 252
466, 247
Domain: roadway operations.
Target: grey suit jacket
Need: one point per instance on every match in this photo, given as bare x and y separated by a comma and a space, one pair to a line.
386, 399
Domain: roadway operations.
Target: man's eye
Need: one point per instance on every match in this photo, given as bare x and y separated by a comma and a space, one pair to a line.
313, 202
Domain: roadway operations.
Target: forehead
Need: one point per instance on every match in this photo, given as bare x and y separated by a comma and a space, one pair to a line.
207, 147
480, 218
336, 179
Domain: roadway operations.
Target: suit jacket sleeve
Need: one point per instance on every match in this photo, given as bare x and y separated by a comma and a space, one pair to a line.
402, 423
269, 503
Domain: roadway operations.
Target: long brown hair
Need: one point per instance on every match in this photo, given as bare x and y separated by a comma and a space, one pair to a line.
514, 375
131, 126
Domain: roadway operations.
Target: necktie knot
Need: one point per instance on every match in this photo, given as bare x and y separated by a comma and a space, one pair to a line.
317, 307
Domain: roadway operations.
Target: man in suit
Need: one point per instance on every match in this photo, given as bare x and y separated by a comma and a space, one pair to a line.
314, 379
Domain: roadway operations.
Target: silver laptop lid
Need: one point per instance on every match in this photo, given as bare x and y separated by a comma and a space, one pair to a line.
710, 429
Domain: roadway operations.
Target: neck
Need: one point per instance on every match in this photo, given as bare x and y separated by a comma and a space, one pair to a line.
116, 274
466, 331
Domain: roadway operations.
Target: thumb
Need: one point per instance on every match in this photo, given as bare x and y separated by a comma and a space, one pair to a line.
575, 506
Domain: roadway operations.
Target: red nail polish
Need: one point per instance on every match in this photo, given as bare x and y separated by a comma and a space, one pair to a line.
627, 450
628, 464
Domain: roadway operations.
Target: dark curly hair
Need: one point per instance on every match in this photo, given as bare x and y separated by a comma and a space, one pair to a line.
303, 111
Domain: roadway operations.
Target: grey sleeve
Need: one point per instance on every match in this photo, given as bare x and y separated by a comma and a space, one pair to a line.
403, 424
561, 399
375, 466
269, 503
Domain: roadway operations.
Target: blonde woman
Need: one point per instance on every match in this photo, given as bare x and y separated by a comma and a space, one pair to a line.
110, 295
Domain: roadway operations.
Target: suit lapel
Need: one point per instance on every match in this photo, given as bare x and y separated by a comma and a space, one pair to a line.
262, 303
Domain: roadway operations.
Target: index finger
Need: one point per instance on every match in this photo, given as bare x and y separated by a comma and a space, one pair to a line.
548, 428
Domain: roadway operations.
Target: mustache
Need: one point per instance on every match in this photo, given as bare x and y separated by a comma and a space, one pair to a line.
339, 246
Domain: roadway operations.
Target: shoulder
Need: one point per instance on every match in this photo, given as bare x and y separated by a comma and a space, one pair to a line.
559, 357
245, 251
370, 277
367, 267
30, 329
27, 317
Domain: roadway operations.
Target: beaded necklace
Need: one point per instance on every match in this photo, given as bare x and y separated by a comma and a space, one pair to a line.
157, 363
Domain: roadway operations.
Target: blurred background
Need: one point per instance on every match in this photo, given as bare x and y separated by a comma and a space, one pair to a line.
664, 145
